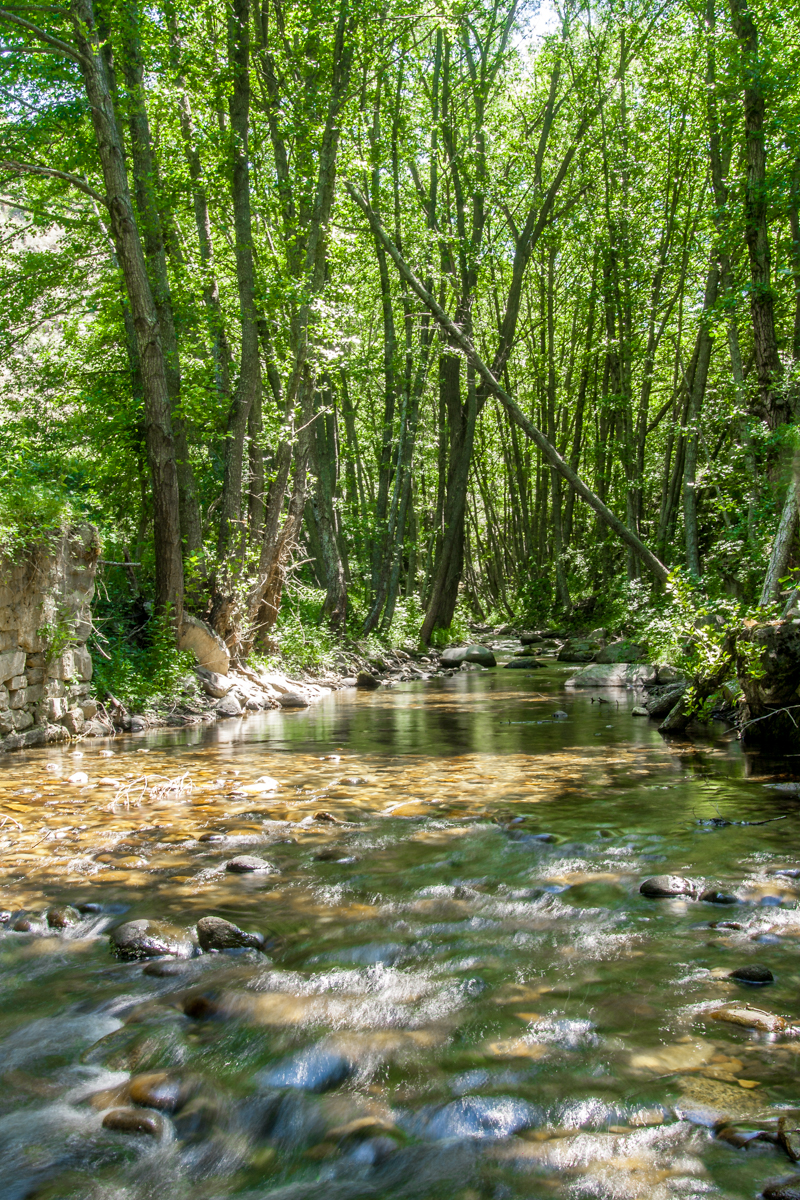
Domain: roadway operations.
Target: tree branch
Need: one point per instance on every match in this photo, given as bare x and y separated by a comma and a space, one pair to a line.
40, 35
51, 173
459, 338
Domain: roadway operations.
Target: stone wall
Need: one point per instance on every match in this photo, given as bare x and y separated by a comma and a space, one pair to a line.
45, 620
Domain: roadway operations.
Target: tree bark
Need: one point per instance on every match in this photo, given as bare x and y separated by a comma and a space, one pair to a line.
145, 174
774, 407
705, 345
248, 385
158, 425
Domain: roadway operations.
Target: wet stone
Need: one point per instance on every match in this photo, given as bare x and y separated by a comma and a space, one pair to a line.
245, 864
168, 968
714, 896
133, 1120
27, 924
659, 886
317, 1069
150, 939
159, 1090
215, 933
783, 1189
63, 917
754, 974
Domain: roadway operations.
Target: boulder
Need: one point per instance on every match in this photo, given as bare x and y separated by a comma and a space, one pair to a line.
208, 648
454, 656
531, 639
616, 675
365, 679
524, 664
782, 1189
663, 702
620, 652
579, 650
73, 721
228, 706
215, 933
293, 699
150, 939
214, 684
669, 674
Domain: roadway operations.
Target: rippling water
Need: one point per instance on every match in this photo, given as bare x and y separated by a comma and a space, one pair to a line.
466, 994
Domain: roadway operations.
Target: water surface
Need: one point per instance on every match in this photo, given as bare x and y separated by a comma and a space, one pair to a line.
467, 995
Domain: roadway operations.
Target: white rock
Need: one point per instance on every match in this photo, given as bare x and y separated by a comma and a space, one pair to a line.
78, 778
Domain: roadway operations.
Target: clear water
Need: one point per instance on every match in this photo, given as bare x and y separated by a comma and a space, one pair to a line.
469, 998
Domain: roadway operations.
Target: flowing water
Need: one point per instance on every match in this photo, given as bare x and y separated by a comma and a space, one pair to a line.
464, 995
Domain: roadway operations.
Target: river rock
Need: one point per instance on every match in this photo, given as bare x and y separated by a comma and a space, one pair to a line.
317, 1069
228, 706
365, 679
215, 933
245, 864
150, 939
293, 699
477, 1117
620, 652
661, 703
531, 639
159, 1089
755, 974
454, 656
782, 1189
613, 675
63, 916
714, 896
524, 664
213, 683
749, 1018
659, 886
133, 1120
578, 650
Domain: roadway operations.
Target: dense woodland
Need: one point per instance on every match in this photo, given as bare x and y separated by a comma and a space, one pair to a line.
418, 311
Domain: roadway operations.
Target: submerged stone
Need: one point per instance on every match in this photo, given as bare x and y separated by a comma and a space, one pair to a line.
317, 1069
133, 1120
713, 896
63, 916
475, 1117
782, 1189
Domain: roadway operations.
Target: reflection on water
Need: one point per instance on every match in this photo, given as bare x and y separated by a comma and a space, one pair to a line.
465, 994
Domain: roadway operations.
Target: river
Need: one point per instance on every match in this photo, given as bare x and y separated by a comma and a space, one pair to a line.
465, 994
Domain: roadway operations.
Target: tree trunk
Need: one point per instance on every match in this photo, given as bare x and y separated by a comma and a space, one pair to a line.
781, 547
248, 385
158, 426
775, 407
705, 345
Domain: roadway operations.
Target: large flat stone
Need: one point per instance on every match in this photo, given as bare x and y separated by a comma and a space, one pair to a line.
11, 663
207, 647
613, 675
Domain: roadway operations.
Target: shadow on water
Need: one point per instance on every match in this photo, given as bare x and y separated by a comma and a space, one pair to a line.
464, 992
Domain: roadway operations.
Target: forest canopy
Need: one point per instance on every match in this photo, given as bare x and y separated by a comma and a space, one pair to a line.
455, 307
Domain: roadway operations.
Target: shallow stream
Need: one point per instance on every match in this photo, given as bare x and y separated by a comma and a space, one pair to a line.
465, 995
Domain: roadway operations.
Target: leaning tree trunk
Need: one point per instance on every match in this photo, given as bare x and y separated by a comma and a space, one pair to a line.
158, 427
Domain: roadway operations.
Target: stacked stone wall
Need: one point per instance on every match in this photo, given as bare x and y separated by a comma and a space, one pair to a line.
45, 621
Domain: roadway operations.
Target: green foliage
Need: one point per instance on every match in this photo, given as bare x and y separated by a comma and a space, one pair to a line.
57, 636
144, 672
302, 636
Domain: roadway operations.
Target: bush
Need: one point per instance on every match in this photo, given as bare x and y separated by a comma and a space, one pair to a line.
143, 670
